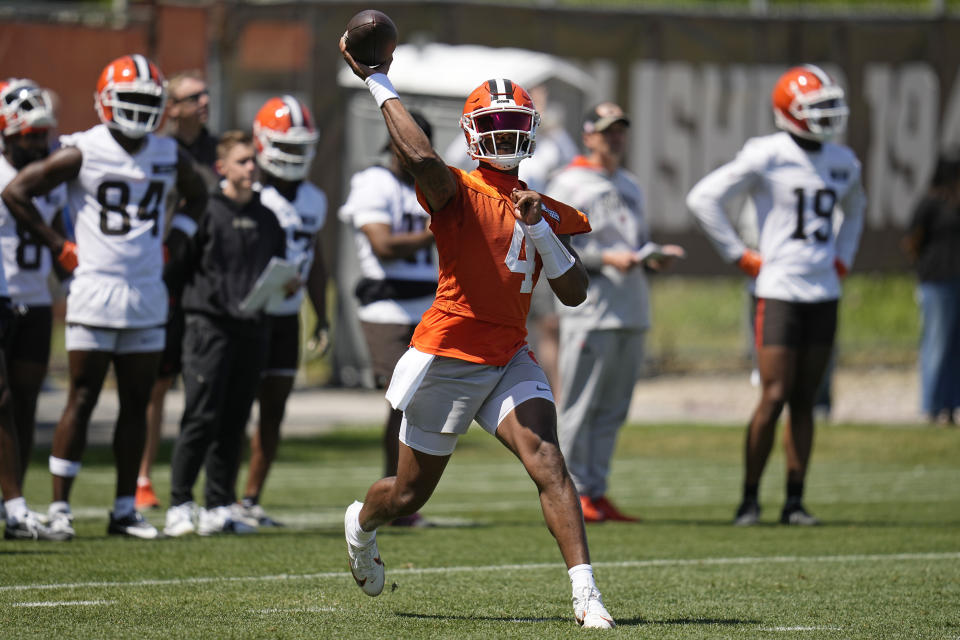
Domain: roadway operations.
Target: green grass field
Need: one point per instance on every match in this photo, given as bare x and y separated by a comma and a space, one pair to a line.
885, 565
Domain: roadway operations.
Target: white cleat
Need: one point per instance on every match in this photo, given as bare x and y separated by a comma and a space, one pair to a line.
589, 610
61, 524
365, 563
179, 520
220, 520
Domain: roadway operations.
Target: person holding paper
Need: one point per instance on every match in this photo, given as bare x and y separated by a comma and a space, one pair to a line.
601, 340
224, 342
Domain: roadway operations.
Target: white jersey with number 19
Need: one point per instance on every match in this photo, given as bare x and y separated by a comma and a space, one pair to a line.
796, 194
118, 205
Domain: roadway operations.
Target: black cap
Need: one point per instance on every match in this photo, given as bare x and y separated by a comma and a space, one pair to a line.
602, 116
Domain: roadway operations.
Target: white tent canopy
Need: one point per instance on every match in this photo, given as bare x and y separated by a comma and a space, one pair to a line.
456, 70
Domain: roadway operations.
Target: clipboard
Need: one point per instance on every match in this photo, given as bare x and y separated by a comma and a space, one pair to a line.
268, 288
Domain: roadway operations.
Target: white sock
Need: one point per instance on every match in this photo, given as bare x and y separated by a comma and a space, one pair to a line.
16, 509
355, 535
143, 481
581, 576
60, 506
122, 507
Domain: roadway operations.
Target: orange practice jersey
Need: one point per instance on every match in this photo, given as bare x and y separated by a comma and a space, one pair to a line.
486, 272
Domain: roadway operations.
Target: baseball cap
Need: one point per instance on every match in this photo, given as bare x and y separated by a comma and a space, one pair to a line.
602, 116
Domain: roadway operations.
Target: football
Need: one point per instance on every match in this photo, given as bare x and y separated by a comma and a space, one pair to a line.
371, 37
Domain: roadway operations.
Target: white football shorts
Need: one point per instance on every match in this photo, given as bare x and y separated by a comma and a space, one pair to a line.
441, 396
80, 337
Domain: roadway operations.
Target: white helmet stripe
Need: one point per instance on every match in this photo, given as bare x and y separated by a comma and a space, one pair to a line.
296, 113
824, 78
143, 67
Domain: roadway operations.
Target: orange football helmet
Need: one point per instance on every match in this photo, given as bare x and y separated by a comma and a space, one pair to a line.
131, 94
500, 123
808, 103
24, 107
285, 138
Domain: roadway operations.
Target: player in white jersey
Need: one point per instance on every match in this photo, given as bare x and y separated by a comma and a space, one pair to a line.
798, 182
118, 175
285, 137
26, 116
398, 275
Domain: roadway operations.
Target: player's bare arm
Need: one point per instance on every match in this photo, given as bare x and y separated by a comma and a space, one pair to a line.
413, 147
571, 287
395, 246
37, 179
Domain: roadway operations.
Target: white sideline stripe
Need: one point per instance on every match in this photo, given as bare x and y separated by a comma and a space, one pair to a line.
73, 603
799, 629
666, 562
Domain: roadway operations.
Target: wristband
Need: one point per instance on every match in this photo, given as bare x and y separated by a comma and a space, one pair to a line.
184, 223
381, 88
556, 259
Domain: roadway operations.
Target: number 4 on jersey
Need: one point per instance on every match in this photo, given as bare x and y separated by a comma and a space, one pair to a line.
526, 265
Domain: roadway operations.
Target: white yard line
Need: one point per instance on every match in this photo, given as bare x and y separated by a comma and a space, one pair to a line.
666, 562
71, 603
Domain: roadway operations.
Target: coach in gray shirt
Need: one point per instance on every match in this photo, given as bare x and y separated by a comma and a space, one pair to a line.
601, 340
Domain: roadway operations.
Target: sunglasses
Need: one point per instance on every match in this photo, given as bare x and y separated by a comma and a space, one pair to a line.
193, 97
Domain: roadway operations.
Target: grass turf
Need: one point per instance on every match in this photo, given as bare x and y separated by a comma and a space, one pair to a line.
885, 565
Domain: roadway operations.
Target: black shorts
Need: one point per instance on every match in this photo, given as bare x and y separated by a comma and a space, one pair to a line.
28, 339
283, 351
171, 362
795, 324
386, 343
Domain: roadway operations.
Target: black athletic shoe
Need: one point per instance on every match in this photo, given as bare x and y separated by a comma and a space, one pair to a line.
132, 525
748, 514
795, 514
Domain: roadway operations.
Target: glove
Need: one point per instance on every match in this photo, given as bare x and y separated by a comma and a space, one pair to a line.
840, 267
750, 263
319, 342
68, 256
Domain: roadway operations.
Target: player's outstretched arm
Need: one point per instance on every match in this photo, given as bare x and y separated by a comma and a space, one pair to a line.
37, 179
419, 158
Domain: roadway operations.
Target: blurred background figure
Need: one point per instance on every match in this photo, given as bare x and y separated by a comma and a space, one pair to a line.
285, 138
119, 175
26, 118
601, 340
188, 109
796, 179
933, 243
225, 343
399, 274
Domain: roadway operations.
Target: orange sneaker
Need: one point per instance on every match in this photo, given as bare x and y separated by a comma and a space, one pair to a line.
590, 511
610, 512
145, 498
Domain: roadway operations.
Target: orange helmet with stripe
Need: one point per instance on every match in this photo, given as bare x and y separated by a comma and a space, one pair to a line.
500, 123
24, 107
808, 103
285, 138
131, 94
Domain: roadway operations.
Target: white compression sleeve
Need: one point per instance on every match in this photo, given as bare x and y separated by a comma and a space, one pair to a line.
556, 259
